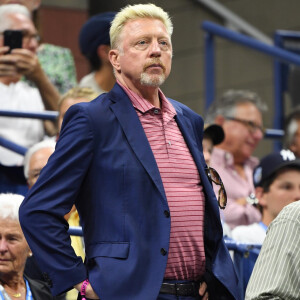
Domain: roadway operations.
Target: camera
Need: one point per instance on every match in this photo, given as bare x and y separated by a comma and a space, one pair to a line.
13, 39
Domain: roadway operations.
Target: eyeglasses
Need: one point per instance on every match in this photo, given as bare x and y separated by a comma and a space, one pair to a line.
29, 36
252, 127
214, 176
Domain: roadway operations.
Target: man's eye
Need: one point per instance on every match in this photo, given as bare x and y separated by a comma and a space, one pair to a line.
142, 42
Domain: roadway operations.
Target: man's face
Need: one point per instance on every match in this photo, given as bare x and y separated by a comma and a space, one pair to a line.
240, 138
284, 190
295, 147
146, 53
21, 22
37, 162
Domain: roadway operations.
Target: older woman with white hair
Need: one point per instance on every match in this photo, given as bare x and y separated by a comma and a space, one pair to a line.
14, 252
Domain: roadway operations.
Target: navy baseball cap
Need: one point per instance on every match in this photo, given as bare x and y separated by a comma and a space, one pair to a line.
214, 132
272, 163
95, 32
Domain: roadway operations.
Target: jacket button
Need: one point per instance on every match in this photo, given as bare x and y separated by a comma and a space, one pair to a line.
167, 213
163, 251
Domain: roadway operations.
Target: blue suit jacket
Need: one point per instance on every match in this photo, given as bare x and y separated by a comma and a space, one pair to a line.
104, 164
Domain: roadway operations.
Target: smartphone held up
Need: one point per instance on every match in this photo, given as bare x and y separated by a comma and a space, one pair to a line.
13, 39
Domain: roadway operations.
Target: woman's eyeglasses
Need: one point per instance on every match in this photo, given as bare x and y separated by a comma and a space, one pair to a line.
214, 176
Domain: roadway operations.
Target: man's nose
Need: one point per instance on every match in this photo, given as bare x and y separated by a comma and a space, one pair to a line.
3, 246
155, 49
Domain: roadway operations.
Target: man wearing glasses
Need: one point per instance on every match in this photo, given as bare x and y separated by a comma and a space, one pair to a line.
17, 95
239, 112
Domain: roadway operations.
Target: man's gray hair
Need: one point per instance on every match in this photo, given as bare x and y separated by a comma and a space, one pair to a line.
226, 105
9, 9
36, 147
291, 127
9, 206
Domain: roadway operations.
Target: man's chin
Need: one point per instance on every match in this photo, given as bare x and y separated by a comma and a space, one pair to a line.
152, 80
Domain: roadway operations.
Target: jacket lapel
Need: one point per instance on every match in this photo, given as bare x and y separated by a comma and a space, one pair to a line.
187, 131
136, 137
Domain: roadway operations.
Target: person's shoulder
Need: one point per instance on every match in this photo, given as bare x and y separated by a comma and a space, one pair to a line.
291, 211
51, 49
39, 289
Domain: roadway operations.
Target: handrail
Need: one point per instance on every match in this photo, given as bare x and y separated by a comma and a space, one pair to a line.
75, 230
235, 20
274, 133
233, 245
45, 115
12, 146
244, 40
214, 29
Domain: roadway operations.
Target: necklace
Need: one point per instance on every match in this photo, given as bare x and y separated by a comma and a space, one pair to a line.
17, 295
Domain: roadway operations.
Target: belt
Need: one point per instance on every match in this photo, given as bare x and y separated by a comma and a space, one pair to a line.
180, 289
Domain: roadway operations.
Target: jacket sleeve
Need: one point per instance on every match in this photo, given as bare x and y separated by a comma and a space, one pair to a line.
42, 211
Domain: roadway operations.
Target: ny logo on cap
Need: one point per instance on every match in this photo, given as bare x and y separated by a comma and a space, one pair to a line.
287, 155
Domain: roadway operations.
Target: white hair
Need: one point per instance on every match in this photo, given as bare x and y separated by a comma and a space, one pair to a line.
10, 9
36, 147
9, 206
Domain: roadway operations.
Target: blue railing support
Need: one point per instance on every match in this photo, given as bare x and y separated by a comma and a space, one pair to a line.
209, 70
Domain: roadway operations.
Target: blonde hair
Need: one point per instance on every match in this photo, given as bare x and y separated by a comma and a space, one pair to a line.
77, 93
133, 12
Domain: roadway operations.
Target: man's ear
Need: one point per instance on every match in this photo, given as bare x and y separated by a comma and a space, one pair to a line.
259, 193
114, 58
219, 120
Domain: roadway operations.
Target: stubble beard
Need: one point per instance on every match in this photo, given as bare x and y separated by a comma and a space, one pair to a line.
152, 80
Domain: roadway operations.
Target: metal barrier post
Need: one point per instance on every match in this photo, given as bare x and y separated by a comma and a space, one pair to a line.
209, 63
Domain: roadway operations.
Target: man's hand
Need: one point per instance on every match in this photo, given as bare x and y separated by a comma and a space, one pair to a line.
27, 64
89, 292
203, 290
7, 63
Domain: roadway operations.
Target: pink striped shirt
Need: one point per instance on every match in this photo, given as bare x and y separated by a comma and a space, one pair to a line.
181, 181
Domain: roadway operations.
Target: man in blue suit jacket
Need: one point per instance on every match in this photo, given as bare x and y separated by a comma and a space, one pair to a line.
105, 164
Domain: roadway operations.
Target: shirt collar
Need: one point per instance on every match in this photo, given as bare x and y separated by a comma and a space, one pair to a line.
227, 158
145, 106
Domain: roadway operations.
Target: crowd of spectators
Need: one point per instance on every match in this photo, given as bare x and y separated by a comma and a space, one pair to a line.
259, 192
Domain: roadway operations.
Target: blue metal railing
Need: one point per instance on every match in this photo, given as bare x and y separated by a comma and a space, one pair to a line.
272, 51
46, 115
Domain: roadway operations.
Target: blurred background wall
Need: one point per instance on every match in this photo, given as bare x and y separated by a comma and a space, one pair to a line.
236, 67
